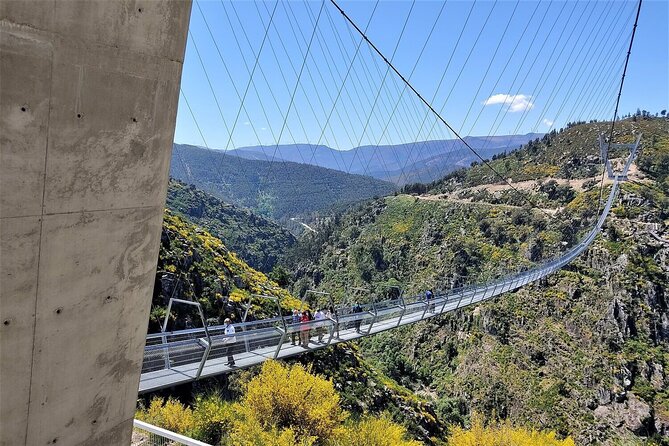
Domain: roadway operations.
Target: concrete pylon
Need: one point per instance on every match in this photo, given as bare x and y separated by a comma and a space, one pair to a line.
88, 98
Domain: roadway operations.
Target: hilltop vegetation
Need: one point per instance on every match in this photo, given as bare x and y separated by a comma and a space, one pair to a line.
582, 353
279, 189
195, 265
255, 239
571, 153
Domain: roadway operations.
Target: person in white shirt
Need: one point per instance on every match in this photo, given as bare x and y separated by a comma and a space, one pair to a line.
320, 316
229, 331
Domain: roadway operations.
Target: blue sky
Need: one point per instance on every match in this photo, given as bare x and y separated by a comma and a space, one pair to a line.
516, 67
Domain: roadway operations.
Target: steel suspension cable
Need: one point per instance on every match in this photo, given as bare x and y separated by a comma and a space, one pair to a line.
297, 83
419, 95
620, 92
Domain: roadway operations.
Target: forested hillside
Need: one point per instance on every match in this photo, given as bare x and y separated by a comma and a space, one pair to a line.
258, 241
194, 265
279, 189
585, 352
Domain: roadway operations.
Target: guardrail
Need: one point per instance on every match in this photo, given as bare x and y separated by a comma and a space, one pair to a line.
145, 434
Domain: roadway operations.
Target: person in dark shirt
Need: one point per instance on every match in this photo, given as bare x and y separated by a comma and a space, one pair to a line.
357, 309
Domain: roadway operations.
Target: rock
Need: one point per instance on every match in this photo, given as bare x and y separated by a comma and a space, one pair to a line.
662, 424
603, 412
657, 376
637, 416
603, 396
633, 414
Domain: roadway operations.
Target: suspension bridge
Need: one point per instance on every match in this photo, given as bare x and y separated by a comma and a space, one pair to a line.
178, 357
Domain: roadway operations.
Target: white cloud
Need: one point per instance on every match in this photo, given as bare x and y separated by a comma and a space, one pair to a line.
547, 122
263, 128
247, 123
516, 103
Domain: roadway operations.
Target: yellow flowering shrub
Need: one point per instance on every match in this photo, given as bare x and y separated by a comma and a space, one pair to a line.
213, 418
290, 397
170, 415
372, 431
251, 433
503, 434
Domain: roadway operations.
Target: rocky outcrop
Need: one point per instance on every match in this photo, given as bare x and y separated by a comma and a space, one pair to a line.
632, 414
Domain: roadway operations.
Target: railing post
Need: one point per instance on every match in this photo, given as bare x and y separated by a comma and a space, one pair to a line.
163, 338
494, 291
246, 312
205, 355
281, 341
374, 313
446, 298
333, 313
427, 305
335, 326
473, 294
462, 296
403, 306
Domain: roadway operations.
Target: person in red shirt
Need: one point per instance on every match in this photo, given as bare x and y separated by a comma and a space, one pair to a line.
304, 331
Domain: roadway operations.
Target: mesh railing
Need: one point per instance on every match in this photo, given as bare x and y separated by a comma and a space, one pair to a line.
145, 434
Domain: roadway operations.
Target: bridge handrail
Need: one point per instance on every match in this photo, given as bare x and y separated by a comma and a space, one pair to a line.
164, 434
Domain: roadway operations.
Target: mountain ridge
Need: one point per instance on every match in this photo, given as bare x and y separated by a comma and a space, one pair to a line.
426, 160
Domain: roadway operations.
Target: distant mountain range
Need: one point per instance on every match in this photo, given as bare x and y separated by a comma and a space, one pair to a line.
279, 190
420, 162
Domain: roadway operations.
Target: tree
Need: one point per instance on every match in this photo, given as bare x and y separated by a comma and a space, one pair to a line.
663, 112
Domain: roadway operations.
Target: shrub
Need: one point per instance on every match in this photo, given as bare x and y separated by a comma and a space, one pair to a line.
289, 397
248, 431
372, 432
170, 415
503, 434
213, 418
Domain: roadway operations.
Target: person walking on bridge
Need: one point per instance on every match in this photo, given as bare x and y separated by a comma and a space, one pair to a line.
319, 316
357, 309
229, 341
304, 330
295, 320
429, 297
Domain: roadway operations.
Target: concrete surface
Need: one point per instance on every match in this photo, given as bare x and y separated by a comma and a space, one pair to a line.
88, 98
